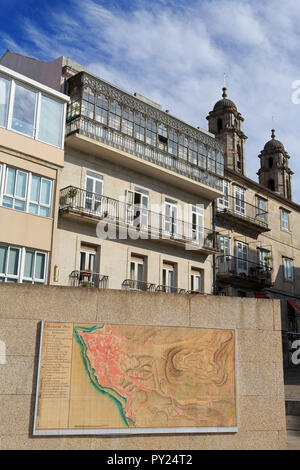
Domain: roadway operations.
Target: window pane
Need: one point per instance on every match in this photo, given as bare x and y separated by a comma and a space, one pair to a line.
4, 99
28, 267
24, 110
51, 121
13, 261
40, 266
35, 188
19, 205
45, 191
44, 211
7, 202
10, 181
33, 209
3, 254
21, 184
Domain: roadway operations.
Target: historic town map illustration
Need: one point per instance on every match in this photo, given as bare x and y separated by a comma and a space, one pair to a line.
96, 378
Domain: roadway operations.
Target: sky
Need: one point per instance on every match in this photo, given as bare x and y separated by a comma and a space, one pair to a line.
175, 52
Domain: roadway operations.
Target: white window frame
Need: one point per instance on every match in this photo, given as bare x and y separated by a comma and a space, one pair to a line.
39, 94
27, 201
283, 220
170, 220
223, 202
197, 224
242, 262
239, 201
259, 214
197, 279
19, 277
96, 178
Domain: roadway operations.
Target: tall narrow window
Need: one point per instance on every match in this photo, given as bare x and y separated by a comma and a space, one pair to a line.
93, 195
211, 161
285, 224
4, 100
23, 116
101, 109
151, 132
40, 196
239, 200
115, 115
193, 158
241, 258
202, 156
162, 137
223, 202
137, 272
170, 225
169, 277
127, 121
288, 269
51, 121
139, 127
261, 208
183, 147
173, 142
196, 280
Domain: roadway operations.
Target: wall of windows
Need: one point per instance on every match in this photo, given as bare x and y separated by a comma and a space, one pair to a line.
25, 191
31, 112
22, 265
139, 126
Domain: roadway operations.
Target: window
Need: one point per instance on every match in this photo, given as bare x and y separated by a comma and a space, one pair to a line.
93, 196
101, 109
169, 277
127, 121
241, 250
183, 147
31, 112
151, 132
137, 207
22, 265
173, 142
51, 121
211, 162
196, 280
239, 195
137, 272
285, 224
263, 257
26, 192
224, 259
193, 152
202, 156
4, 100
288, 269
162, 137
139, 127
223, 202
115, 115
220, 164
261, 208
197, 224
87, 258
170, 225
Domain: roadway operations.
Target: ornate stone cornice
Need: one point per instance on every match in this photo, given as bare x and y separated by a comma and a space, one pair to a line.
100, 86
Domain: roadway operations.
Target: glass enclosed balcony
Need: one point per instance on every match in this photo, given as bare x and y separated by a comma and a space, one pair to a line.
106, 114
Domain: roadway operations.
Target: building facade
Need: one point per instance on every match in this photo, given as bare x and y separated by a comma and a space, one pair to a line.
145, 201
32, 120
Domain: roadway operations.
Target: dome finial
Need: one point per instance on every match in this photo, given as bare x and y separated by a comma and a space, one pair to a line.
224, 94
273, 133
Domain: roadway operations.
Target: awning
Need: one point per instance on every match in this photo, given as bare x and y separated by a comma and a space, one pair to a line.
295, 306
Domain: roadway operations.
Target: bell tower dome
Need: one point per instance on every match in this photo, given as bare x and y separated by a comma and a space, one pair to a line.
274, 172
226, 123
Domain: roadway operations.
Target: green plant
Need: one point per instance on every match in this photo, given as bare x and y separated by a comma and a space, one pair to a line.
72, 193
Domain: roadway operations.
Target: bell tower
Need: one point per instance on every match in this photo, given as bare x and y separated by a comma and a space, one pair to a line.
226, 123
274, 172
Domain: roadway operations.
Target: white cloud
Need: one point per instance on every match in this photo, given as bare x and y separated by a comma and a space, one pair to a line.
175, 52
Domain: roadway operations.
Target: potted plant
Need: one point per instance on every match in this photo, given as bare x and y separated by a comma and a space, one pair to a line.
72, 193
210, 238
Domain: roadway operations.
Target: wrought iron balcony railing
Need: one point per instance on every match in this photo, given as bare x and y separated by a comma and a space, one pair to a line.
88, 279
244, 269
211, 173
243, 211
130, 284
136, 217
170, 289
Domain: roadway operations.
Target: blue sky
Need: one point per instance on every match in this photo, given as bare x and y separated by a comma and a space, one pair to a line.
175, 52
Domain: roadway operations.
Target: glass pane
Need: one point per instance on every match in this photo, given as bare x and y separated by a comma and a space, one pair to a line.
13, 261
3, 254
19, 205
33, 209
40, 266
24, 110
4, 100
7, 202
51, 121
35, 188
10, 181
45, 191
28, 268
44, 211
21, 184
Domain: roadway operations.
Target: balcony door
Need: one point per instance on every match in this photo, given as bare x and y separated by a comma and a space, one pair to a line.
93, 195
169, 277
239, 201
137, 272
137, 208
170, 225
241, 258
224, 260
197, 224
196, 281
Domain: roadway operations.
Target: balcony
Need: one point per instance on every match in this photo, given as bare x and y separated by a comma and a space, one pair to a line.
114, 125
129, 284
88, 279
242, 272
134, 221
239, 212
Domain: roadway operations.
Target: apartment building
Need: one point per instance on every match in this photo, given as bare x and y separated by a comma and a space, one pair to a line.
257, 222
32, 118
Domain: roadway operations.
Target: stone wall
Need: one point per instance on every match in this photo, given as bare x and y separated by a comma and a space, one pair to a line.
261, 406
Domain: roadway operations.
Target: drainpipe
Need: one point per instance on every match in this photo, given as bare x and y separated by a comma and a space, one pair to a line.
214, 245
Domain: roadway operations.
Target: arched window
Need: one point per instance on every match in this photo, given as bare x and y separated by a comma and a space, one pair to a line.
270, 162
220, 124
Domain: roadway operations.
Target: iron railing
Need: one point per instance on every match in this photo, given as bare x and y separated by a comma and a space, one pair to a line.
88, 279
130, 284
242, 209
136, 217
243, 268
170, 289
210, 174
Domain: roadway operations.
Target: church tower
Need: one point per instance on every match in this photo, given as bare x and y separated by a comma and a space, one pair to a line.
274, 172
226, 123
